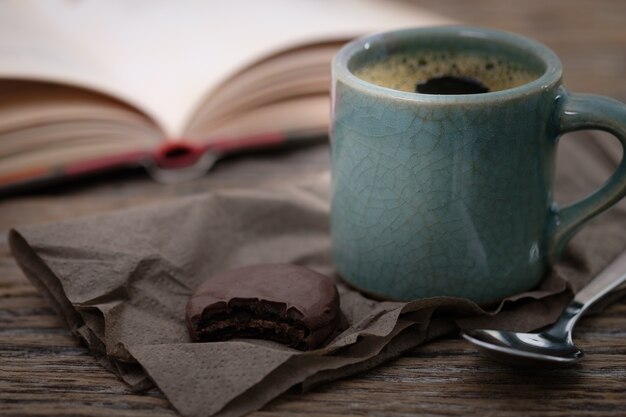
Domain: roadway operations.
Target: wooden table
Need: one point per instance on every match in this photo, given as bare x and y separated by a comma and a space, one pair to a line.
44, 371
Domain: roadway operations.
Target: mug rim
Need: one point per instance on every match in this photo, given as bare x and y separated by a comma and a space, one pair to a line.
550, 76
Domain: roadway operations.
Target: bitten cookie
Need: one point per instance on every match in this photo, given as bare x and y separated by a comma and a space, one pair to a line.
288, 304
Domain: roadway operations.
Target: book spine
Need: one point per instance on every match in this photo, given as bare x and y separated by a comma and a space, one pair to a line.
44, 175
174, 161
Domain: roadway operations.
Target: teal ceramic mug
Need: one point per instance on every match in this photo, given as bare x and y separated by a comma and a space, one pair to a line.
443, 152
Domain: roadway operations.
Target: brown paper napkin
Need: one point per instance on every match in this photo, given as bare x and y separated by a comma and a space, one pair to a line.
121, 281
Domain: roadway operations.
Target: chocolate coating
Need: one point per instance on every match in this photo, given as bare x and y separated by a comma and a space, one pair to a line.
289, 304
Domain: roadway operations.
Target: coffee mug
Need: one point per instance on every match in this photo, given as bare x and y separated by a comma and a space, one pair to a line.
443, 145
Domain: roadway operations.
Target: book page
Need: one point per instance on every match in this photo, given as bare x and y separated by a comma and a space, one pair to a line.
164, 57
47, 127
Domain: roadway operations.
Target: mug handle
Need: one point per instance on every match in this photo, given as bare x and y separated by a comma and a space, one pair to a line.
579, 112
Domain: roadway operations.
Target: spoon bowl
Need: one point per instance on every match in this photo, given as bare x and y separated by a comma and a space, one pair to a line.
554, 346
528, 349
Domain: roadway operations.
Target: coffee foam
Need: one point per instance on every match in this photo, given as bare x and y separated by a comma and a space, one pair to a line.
403, 71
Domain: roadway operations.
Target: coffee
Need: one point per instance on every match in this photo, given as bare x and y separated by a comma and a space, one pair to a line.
441, 72
448, 84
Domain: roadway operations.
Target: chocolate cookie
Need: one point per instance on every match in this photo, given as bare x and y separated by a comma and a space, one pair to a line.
288, 304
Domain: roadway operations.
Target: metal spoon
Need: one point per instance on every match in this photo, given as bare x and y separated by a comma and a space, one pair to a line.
552, 347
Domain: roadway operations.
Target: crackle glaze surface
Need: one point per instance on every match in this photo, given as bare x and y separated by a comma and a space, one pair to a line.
441, 200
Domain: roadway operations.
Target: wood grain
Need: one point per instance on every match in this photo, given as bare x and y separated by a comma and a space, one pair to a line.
44, 371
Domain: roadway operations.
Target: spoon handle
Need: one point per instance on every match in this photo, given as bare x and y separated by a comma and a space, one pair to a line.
611, 277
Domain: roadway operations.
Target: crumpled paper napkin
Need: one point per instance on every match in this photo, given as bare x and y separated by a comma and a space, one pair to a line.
121, 281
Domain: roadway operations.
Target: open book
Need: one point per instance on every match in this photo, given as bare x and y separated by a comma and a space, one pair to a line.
94, 85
